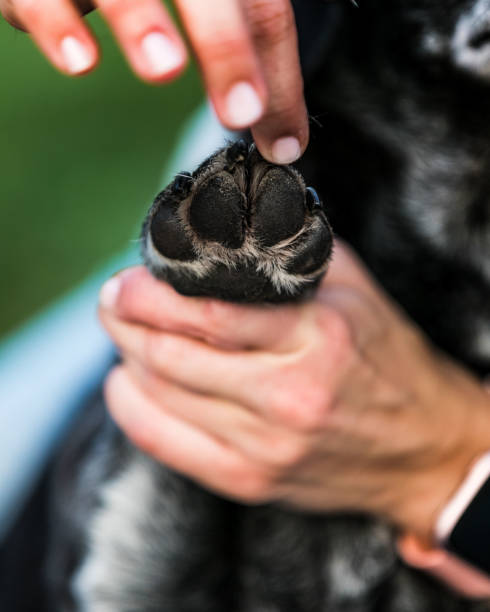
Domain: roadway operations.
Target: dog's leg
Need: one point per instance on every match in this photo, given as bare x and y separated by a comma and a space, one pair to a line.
158, 543
238, 229
129, 534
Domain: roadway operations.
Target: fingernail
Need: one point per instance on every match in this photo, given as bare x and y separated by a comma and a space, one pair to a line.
243, 105
77, 58
162, 54
109, 292
286, 150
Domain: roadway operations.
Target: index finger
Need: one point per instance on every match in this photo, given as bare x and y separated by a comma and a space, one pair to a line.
282, 134
134, 295
221, 39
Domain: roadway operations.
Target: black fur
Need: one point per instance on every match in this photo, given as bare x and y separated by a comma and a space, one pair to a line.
404, 141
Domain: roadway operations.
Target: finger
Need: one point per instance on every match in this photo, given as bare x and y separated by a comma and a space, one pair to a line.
229, 422
233, 424
221, 40
148, 37
7, 10
135, 295
239, 377
59, 31
177, 443
282, 133
293, 390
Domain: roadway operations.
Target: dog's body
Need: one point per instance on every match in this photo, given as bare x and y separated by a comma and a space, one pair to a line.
403, 164
404, 158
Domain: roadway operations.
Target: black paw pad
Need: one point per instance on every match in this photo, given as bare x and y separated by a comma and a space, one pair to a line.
239, 229
168, 235
279, 208
218, 211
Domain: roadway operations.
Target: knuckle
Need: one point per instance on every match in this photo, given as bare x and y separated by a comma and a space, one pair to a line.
272, 22
285, 107
216, 316
255, 486
338, 333
223, 49
303, 405
255, 489
28, 10
132, 16
113, 8
305, 402
287, 453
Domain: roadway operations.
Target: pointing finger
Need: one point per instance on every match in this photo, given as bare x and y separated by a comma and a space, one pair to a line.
221, 40
282, 133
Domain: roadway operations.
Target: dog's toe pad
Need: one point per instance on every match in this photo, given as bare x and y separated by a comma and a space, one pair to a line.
218, 211
169, 237
279, 207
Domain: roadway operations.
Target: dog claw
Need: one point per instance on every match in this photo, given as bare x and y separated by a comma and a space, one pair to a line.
182, 183
237, 152
313, 199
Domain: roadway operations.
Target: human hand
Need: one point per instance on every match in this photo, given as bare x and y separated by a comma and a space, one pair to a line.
247, 50
335, 404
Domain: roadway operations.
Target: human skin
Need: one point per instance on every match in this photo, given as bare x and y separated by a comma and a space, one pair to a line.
335, 404
246, 49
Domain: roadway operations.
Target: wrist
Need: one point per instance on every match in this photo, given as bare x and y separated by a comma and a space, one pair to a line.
461, 557
461, 441
453, 542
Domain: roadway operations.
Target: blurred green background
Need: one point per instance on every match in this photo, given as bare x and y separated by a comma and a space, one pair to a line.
80, 161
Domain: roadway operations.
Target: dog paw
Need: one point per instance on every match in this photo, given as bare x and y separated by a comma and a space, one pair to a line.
239, 229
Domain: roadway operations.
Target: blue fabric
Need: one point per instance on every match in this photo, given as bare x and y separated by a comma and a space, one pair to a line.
47, 366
